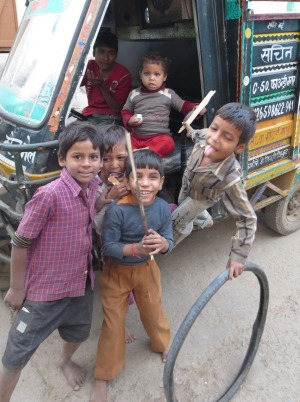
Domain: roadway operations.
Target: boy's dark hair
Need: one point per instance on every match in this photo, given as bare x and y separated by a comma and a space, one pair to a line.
145, 158
112, 135
77, 132
106, 38
242, 117
156, 58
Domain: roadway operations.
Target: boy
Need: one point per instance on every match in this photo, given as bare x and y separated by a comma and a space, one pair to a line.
114, 158
147, 108
107, 83
212, 174
51, 268
129, 268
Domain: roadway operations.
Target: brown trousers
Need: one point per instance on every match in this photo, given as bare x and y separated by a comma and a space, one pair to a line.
116, 283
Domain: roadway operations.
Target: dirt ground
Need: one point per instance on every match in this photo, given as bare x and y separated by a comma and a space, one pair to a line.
216, 345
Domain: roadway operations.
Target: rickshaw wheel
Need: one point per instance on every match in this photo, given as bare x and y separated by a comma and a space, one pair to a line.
204, 298
284, 216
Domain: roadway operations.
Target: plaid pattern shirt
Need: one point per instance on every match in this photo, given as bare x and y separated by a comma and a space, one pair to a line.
59, 221
222, 181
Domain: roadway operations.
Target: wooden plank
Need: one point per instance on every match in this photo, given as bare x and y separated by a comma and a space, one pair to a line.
267, 201
2, 2
8, 24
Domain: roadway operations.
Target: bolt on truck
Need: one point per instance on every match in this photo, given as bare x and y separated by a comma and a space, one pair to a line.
247, 51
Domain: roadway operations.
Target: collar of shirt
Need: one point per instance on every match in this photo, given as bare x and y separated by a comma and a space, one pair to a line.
226, 171
74, 186
146, 90
127, 199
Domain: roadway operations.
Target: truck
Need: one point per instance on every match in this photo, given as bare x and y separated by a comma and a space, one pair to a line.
246, 51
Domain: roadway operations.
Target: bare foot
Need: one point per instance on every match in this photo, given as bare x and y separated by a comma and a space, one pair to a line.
129, 337
164, 355
74, 374
99, 391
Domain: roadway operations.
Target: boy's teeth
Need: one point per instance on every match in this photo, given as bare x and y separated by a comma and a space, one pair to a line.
209, 150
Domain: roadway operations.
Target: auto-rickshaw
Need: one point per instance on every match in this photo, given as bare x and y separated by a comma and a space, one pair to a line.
247, 51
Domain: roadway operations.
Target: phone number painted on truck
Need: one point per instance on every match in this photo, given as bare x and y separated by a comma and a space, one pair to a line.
274, 109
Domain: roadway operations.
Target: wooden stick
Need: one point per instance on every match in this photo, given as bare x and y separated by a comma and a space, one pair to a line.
141, 206
198, 109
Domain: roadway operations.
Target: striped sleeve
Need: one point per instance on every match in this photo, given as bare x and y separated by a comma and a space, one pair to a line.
237, 204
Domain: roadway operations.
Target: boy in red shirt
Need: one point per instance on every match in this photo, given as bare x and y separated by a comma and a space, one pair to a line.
107, 83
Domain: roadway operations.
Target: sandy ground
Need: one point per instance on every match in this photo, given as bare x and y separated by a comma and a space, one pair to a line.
215, 347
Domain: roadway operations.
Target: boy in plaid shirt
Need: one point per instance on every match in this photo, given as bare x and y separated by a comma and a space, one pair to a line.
52, 278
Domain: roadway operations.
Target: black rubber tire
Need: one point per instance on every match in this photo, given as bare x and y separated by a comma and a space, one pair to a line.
284, 216
194, 312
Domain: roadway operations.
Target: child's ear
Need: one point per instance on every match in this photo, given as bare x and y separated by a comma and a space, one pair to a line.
240, 148
61, 161
162, 182
165, 77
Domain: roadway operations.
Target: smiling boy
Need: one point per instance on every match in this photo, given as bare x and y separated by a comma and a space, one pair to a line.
52, 277
213, 174
129, 268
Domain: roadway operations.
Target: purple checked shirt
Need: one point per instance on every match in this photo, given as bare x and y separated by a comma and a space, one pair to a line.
59, 220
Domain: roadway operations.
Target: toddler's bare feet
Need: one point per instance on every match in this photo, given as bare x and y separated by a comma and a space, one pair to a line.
99, 391
129, 337
74, 374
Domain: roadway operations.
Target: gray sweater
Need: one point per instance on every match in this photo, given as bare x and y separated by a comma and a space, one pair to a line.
123, 225
155, 107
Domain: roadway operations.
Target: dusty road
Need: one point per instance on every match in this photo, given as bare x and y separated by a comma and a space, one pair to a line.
214, 348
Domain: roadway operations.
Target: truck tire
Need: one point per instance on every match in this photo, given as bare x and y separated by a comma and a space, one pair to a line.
284, 215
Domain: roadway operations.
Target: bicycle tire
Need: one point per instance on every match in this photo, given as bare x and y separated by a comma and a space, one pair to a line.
191, 316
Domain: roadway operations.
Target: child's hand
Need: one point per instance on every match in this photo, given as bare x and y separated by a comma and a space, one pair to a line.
135, 120
14, 298
234, 269
202, 112
117, 191
188, 128
102, 200
155, 243
94, 80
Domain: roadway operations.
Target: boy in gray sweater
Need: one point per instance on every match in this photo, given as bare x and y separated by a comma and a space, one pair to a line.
129, 267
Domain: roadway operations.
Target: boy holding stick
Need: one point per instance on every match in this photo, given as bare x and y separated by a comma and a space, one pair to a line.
129, 267
213, 174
